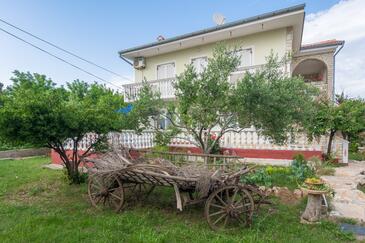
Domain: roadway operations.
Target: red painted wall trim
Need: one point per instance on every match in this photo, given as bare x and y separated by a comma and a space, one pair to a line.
245, 153
256, 153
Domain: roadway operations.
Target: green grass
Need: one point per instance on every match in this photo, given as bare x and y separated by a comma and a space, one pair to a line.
361, 188
357, 156
37, 205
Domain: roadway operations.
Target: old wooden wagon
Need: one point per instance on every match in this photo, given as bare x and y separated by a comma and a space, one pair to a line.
228, 203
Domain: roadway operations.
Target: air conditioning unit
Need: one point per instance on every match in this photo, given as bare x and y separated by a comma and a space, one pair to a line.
139, 63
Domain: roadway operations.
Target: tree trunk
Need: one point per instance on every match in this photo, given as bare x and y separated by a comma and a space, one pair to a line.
329, 146
72, 167
74, 174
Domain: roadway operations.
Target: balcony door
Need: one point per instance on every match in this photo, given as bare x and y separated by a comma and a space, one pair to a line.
166, 70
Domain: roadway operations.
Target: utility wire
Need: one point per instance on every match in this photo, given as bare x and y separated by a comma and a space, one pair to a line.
64, 50
59, 58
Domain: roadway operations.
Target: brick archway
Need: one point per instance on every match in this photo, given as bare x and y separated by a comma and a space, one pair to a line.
320, 66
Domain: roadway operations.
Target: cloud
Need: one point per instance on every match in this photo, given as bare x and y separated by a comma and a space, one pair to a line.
343, 21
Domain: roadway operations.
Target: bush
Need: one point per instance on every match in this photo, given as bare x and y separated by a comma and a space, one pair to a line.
357, 156
300, 169
10, 146
270, 176
259, 177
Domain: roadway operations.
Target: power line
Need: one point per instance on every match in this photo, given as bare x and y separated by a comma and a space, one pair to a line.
59, 58
64, 50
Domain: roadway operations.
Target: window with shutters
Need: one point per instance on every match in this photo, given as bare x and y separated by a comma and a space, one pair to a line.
245, 57
199, 63
166, 70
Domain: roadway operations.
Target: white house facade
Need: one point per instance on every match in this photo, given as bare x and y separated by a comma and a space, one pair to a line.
256, 37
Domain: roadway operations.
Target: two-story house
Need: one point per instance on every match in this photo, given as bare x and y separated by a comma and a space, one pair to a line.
279, 31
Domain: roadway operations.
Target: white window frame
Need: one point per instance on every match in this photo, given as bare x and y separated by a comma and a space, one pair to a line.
252, 55
164, 63
196, 57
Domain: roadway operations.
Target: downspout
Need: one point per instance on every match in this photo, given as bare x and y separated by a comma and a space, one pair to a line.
334, 69
125, 59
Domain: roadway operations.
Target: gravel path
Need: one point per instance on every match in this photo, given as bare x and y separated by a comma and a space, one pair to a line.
348, 202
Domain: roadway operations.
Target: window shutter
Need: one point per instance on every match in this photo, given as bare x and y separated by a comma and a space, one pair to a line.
166, 71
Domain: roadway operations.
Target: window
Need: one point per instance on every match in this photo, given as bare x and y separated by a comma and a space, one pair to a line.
246, 57
164, 122
199, 63
166, 70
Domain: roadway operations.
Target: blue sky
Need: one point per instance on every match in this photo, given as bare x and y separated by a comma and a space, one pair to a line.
97, 30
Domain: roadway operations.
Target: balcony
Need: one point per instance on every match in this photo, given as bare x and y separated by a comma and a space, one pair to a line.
166, 89
163, 86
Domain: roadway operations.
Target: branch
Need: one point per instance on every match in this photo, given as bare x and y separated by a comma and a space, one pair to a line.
86, 152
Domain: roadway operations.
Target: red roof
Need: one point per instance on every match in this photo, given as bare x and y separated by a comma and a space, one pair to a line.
324, 43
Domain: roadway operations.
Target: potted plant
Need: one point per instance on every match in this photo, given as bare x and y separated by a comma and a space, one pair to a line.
315, 186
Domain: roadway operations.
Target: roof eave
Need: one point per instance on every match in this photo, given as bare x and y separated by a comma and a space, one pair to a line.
216, 28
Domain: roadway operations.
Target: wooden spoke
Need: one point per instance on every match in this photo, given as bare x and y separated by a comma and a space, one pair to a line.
115, 196
219, 219
217, 213
221, 200
215, 205
225, 221
234, 196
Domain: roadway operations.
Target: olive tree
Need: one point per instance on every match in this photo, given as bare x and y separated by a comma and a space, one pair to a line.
345, 115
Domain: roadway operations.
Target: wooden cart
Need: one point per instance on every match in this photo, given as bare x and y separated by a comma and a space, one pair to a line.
228, 203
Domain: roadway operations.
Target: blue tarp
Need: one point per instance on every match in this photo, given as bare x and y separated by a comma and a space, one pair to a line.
126, 109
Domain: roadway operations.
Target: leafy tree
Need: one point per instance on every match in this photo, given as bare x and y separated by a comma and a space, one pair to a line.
345, 115
268, 99
276, 104
36, 111
146, 109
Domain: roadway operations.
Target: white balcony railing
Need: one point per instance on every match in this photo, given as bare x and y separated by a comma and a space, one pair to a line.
127, 138
166, 89
246, 139
163, 86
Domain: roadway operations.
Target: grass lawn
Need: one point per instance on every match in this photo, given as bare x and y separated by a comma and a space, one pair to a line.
357, 156
37, 205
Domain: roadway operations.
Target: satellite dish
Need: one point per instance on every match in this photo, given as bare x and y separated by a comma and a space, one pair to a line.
218, 19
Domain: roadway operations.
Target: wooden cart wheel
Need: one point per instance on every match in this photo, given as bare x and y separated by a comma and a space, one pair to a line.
106, 192
228, 207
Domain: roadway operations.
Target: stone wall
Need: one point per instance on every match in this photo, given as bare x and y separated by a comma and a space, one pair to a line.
21, 153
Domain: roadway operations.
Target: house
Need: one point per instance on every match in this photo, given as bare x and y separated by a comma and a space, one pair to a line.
279, 31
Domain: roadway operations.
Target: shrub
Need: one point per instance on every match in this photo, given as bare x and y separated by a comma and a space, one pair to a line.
357, 156
259, 177
300, 168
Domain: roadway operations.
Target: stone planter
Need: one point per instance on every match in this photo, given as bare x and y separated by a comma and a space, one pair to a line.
313, 211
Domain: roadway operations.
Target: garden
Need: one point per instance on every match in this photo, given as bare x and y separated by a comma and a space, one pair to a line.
37, 204
42, 205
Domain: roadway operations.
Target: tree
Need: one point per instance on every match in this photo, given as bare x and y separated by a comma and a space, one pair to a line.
38, 112
344, 115
268, 99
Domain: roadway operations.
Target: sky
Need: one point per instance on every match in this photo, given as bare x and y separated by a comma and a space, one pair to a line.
97, 30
